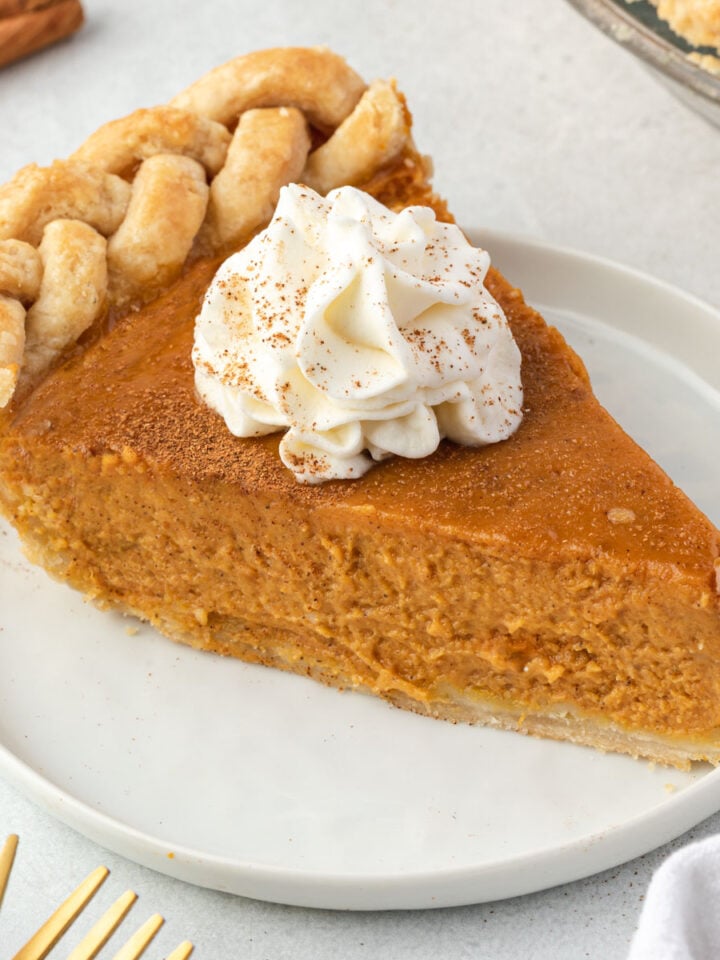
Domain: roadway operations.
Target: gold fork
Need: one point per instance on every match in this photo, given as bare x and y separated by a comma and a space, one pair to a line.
7, 856
45, 938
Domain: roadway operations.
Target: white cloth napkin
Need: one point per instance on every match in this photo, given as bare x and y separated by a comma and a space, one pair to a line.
680, 919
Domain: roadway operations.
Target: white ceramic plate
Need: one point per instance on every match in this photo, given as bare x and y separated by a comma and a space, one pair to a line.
270, 786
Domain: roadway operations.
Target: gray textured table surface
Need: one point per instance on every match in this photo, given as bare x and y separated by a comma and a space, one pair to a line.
539, 126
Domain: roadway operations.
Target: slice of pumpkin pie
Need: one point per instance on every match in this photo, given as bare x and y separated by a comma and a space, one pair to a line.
350, 449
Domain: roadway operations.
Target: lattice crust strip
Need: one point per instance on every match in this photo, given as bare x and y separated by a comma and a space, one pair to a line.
114, 223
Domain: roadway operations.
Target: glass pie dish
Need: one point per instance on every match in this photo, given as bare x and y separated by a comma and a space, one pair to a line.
637, 27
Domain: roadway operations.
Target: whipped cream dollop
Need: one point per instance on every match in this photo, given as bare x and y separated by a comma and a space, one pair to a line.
361, 333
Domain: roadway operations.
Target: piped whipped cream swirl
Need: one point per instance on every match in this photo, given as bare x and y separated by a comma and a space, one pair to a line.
359, 332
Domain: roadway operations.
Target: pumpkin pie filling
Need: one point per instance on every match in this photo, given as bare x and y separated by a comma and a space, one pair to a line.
555, 583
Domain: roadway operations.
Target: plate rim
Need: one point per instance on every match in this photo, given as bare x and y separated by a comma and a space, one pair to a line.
428, 889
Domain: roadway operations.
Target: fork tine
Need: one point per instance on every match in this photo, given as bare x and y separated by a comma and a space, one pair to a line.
97, 937
7, 855
50, 932
181, 952
139, 941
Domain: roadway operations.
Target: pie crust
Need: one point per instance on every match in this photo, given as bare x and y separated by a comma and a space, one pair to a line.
557, 583
116, 222
698, 21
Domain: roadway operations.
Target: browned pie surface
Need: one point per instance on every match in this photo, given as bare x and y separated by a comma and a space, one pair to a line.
545, 493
